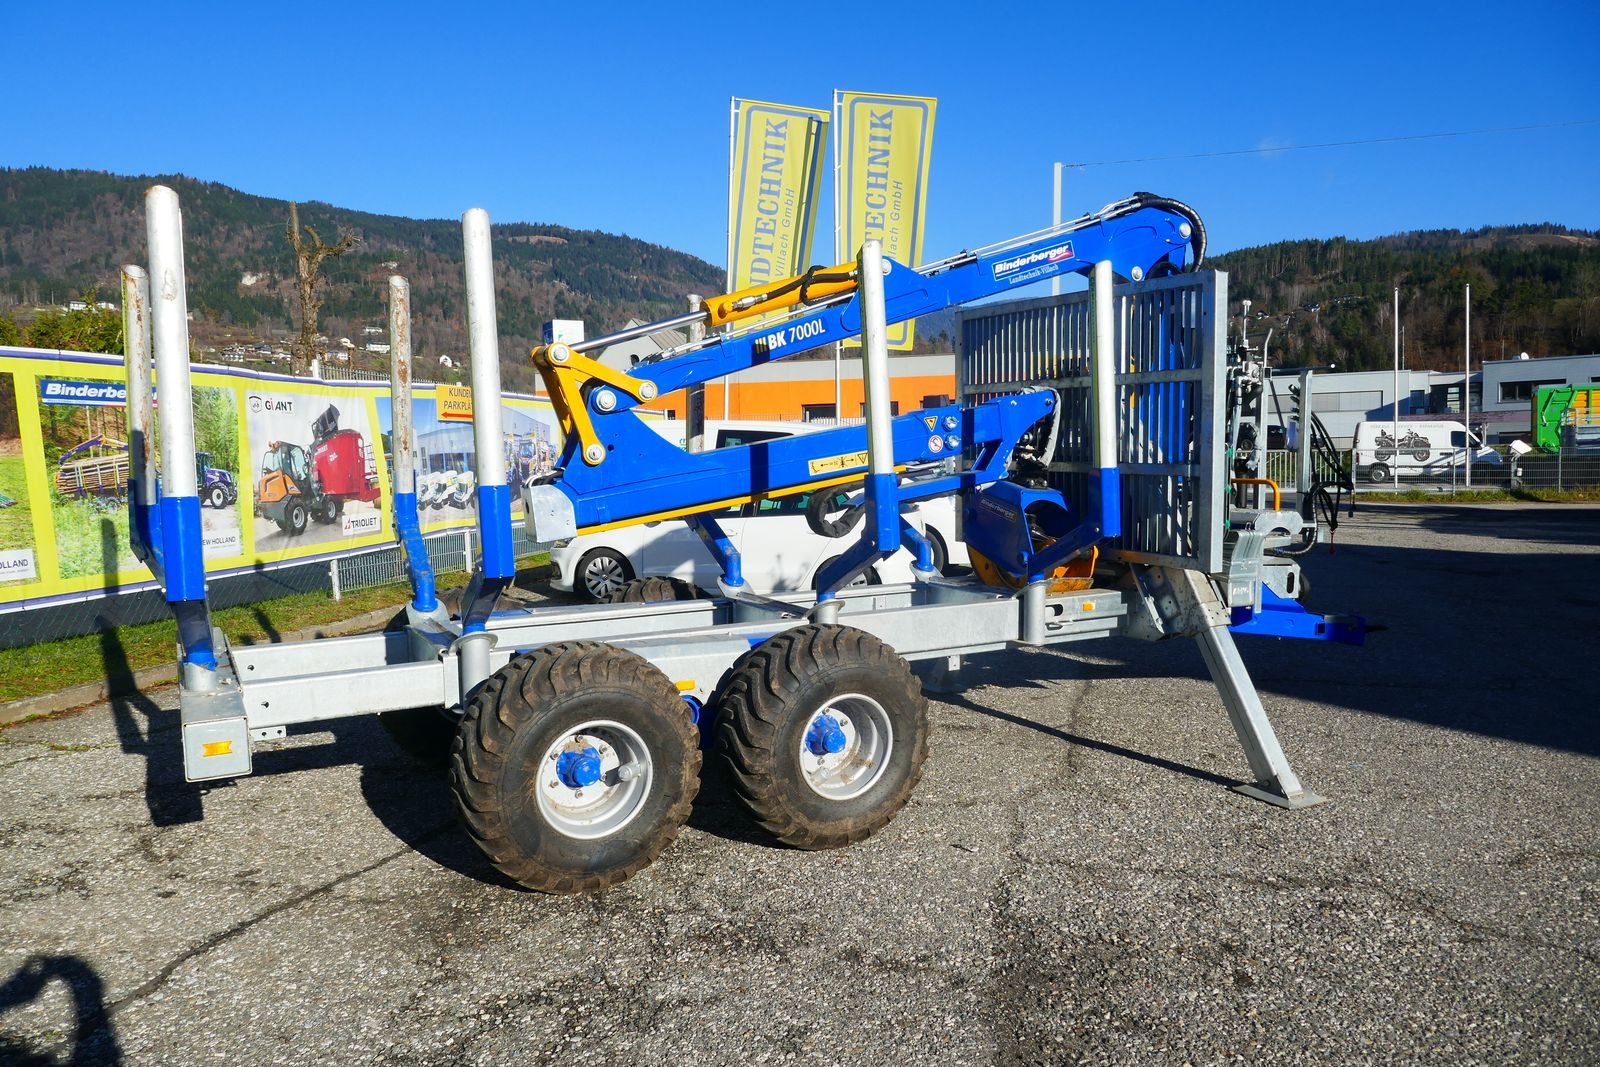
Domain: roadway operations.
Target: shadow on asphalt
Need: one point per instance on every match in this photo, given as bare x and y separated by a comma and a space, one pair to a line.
93, 1038
1011, 671
412, 798
1513, 668
143, 729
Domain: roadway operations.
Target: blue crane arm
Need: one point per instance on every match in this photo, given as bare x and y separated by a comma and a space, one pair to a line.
1139, 239
614, 470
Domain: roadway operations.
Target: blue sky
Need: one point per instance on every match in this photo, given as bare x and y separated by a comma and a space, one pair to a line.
614, 116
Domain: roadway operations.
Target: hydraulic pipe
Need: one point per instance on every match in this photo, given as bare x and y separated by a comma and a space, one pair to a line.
408, 528
182, 556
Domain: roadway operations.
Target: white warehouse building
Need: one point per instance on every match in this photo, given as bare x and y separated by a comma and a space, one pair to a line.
1502, 395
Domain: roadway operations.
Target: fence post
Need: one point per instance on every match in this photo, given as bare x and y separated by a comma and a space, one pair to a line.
333, 577
1560, 454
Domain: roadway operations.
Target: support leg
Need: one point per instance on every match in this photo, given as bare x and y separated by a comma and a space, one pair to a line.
1276, 782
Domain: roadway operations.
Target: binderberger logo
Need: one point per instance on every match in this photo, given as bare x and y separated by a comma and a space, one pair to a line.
1004, 268
82, 394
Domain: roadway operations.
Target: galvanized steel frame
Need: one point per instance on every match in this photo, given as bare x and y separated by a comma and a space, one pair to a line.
1171, 362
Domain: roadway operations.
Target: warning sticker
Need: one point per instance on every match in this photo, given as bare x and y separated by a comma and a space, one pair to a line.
837, 464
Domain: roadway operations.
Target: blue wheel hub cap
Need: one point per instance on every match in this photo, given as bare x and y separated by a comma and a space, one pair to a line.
579, 769
825, 737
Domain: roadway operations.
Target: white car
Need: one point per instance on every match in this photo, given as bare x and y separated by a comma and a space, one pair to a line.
777, 549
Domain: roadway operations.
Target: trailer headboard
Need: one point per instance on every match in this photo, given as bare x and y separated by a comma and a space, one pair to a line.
1171, 362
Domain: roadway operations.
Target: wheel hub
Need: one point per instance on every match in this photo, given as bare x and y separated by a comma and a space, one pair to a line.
578, 770
846, 746
593, 780
825, 737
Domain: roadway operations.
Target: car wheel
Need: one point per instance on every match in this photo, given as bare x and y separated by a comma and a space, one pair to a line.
1378, 473
295, 519
601, 572
869, 577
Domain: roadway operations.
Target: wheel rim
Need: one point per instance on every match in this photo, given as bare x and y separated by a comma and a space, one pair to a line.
595, 805
862, 738
603, 576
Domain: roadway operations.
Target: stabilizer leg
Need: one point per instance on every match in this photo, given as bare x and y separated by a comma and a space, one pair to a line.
1181, 603
1276, 782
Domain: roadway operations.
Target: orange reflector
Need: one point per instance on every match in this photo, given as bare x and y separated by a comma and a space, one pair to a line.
685, 685
1088, 605
217, 748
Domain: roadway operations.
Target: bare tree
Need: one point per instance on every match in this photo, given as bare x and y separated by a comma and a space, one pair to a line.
309, 255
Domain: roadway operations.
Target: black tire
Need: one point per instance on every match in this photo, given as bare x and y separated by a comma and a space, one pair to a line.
512, 729
655, 589
772, 697
217, 497
868, 577
599, 573
328, 511
1377, 474
294, 518
1420, 454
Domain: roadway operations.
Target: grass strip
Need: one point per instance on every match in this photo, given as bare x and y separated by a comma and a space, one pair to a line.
1587, 495
51, 666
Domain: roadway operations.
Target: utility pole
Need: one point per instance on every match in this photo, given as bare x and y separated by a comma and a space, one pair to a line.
1394, 460
1466, 388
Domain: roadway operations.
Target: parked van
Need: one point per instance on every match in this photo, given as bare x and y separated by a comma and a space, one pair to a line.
1424, 450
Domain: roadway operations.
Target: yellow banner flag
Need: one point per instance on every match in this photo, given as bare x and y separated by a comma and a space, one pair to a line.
774, 169
883, 145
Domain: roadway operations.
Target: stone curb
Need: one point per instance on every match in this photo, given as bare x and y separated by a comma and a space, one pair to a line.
91, 693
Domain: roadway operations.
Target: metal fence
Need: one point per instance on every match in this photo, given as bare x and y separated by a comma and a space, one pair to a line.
451, 550
1568, 469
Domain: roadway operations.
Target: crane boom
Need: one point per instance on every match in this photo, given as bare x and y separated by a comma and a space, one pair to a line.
614, 470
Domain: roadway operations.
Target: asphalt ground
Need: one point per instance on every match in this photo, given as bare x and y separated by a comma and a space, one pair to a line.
1072, 882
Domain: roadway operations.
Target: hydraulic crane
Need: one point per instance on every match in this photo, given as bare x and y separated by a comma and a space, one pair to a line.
614, 470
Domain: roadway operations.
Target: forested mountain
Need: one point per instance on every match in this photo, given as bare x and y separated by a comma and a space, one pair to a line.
62, 233
66, 232
1535, 289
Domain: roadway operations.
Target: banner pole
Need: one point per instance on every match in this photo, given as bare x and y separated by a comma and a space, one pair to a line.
838, 256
